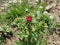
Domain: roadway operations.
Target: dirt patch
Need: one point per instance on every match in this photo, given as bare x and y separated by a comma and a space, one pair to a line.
54, 39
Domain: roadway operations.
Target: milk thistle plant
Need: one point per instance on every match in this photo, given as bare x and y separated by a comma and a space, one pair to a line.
32, 22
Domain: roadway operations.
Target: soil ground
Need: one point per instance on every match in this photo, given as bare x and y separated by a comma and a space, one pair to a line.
54, 39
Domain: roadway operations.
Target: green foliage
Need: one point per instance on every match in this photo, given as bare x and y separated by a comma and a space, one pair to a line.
33, 32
